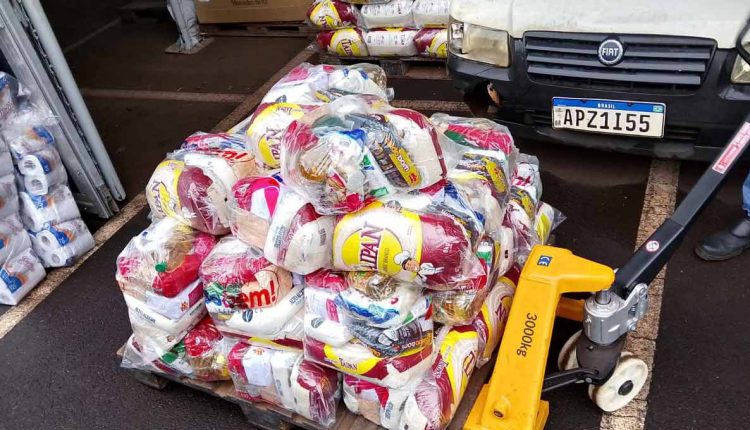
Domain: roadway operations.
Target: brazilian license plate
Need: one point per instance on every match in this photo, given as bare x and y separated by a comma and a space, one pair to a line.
609, 116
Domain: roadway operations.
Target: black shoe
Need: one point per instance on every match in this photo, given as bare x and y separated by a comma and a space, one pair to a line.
726, 244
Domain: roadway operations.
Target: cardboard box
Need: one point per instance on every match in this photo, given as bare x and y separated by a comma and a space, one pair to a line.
232, 11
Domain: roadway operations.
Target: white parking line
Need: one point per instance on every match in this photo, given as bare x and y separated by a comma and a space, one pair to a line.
91, 35
658, 205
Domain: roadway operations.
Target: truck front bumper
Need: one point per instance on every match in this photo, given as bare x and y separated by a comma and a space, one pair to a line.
698, 123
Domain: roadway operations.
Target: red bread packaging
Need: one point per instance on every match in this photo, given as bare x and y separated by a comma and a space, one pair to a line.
164, 259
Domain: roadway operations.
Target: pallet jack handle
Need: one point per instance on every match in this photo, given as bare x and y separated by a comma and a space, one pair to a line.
651, 257
653, 254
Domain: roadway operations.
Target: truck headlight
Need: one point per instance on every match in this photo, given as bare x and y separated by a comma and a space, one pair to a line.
741, 70
478, 43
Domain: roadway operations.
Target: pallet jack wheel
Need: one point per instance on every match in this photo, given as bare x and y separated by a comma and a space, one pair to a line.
625, 383
568, 359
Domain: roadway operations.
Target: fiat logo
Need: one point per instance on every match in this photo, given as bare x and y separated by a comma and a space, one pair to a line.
611, 52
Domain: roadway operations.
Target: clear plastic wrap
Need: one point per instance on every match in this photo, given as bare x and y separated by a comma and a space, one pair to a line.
19, 274
317, 391
432, 42
380, 405
427, 248
13, 237
42, 170
164, 259
201, 355
524, 204
391, 42
347, 42
481, 133
206, 352
172, 362
547, 219
282, 377
437, 396
355, 359
348, 153
414, 333
380, 301
6, 161
448, 200
266, 128
490, 323
333, 15
12, 95
299, 239
313, 85
507, 250
251, 204
193, 183
9, 205
172, 307
156, 333
283, 320
432, 13
326, 321
460, 303
240, 277
55, 207
397, 13
25, 132
62, 244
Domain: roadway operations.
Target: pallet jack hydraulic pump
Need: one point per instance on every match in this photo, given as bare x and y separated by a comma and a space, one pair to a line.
511, 400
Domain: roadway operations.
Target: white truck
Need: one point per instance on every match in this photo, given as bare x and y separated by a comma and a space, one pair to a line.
662, 78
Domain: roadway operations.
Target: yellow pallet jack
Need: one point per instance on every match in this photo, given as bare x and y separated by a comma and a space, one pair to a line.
512, 398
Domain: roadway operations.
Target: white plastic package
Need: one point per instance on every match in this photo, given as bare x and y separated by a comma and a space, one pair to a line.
251, 205
313, 85
325, 321
282, 377
432, 13
391, 42
61, 244
357, 360
38, 212
19, 275
155, 331
299, 239
397, 13
193, 183
352, 151
380, 405
41, 171
437, 396
8, 196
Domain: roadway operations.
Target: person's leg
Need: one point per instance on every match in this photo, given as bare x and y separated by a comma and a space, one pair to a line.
733, 241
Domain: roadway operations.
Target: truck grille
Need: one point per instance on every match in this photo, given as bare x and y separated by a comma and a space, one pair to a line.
649, 62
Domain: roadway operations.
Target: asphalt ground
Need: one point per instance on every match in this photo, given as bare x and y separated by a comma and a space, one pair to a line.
60, 367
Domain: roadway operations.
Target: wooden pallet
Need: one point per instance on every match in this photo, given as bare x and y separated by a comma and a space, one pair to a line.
409, 67
271, 417
260, 29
